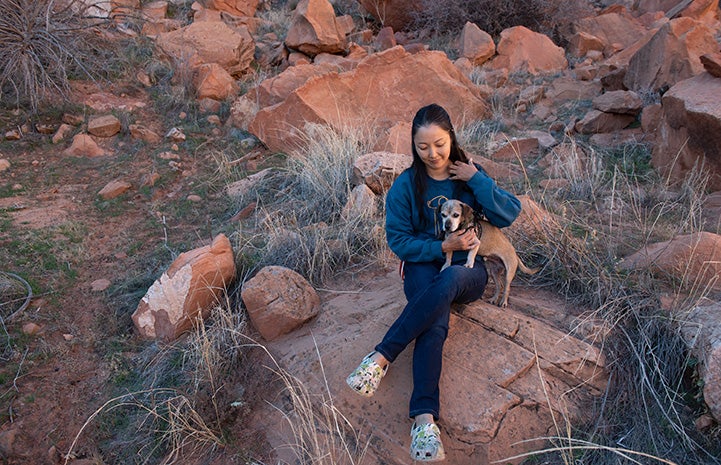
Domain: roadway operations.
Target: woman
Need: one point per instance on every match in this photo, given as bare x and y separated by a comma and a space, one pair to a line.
440, 170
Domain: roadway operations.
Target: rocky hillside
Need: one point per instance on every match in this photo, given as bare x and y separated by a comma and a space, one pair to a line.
201, 228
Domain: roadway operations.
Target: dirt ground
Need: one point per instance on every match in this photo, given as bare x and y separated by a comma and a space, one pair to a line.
58, 234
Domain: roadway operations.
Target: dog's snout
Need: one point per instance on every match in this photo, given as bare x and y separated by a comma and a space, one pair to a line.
448, 225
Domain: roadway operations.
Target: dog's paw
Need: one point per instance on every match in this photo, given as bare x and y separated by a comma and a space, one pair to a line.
444, 267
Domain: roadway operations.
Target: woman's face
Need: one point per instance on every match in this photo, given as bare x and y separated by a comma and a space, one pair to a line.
433, 145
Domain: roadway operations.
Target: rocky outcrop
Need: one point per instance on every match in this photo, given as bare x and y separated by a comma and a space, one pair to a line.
188, 289
506, 375
377, 92
694, 260
689, 135
378, 170
701, 330
314, 29
210, 42
521, 49
235, 7
476, 45
278, 301
397, 14
671, 55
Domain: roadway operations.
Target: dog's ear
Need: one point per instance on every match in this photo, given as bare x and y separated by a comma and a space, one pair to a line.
466, 215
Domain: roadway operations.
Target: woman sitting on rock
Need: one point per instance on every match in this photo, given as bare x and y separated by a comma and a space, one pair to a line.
440, 170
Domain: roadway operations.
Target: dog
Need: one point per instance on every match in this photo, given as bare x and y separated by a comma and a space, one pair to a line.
490, 243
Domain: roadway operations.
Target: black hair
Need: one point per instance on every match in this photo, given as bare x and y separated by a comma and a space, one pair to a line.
431, 114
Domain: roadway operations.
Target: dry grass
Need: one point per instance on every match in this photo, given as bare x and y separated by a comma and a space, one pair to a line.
42, 44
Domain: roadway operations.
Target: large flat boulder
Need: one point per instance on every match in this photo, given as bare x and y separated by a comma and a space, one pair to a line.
506, 375
672, 55
690, 130
377, 93
210, 42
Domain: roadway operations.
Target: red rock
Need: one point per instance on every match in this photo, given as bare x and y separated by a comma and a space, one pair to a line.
210, 42
84, 146
694, 260
619, 101
670, 56
397, 14
599, 122
476, 44
611, 28
378, 170
104, 126
212, 81
385, 38
114, 189
278, 301
376, 90
521, 49
193, 283
235, 7
689, 133
314, 29
712, 63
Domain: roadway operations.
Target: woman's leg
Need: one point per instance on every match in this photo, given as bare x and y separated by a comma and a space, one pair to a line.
430, 295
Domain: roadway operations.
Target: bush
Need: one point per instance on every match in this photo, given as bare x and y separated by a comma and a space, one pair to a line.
42, 44
550, 17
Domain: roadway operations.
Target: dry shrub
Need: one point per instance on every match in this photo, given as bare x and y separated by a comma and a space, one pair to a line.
550, 17
43, 43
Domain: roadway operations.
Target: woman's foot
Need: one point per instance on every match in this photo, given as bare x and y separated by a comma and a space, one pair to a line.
426, 445
365, 379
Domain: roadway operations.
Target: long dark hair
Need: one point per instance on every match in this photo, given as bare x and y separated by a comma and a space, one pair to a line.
431, 114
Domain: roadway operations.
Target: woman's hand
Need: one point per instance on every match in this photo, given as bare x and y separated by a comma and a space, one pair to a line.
462, 171
459, 240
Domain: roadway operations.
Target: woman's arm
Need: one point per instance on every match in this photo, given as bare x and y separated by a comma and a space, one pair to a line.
401, 215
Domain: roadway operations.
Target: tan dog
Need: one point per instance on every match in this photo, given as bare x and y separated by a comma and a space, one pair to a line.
491, 244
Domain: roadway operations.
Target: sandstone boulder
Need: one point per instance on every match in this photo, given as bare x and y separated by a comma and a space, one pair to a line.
84, 145
104, 126
210, 42
362, 203
610, 28
689, 134
212, 81
114, 189
278, 301
521, 49
397, 14
711, 212
505, 375
533, 222
712, 63
193, 283
670, 56
235, 7
600, 122
619, 101
378, 170
701, 330
476, 45
314, 29
692, 259
377, 92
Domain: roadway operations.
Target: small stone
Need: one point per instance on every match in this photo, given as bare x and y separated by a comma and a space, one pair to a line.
175, 134
4, 164
13, 134
114, 189
31, 329
73, 120
182, 115
100, 285
68, 337
194, 198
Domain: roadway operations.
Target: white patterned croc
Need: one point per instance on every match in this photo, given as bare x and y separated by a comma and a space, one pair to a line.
365, 379
426, 445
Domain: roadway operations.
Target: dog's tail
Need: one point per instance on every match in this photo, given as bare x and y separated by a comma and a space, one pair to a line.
525, 269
